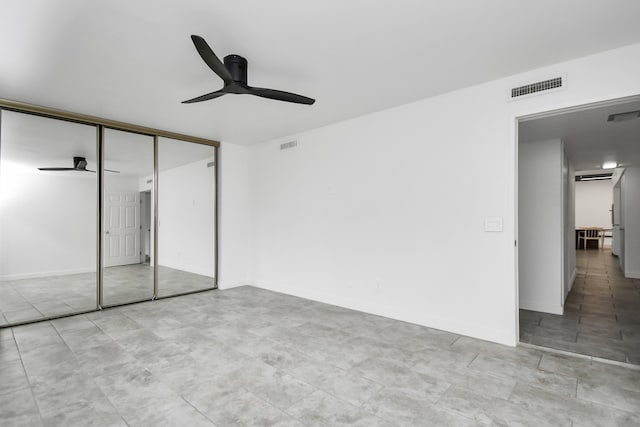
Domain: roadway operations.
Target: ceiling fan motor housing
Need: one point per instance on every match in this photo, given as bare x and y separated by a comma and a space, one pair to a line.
237, 67
79, 162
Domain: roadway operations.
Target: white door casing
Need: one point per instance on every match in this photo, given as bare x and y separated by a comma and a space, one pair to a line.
121, 229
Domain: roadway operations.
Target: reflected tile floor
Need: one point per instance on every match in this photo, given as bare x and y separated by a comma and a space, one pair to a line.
251, 357
602, 313
32, 299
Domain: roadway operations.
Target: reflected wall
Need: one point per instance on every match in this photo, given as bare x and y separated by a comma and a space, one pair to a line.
48, 219
186, 217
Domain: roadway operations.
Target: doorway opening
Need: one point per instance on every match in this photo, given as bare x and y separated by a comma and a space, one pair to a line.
579, 230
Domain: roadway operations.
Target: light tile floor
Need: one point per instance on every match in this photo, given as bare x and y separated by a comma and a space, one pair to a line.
602, 313
250, 357
32, 299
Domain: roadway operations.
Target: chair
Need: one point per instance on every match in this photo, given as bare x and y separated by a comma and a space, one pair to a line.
606, 232
590, 233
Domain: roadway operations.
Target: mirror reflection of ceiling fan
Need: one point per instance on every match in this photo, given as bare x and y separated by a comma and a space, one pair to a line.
79, 165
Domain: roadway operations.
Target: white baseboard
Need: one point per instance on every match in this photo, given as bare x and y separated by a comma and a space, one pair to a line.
632, 274
402, 314
41, 274
542, 307
572, 281
227, 285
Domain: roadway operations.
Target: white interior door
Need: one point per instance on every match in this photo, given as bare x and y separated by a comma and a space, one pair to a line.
616, 209
122, 229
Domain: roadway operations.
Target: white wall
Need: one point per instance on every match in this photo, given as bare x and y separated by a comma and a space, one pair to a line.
569, 199
540, 225
234, 212
186, 217
120, 183
47, 223
385, 213
631, 221
593, 203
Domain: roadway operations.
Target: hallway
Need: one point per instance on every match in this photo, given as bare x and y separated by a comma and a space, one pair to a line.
602, 313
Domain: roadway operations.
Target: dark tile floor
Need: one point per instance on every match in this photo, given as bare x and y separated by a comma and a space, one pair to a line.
602, 313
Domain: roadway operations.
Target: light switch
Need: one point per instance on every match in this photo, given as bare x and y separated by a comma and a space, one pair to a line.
493, 223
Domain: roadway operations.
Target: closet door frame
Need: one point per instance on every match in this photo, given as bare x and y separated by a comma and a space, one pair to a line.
102, 124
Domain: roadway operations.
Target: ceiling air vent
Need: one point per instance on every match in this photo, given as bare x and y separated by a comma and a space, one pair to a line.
537, 87
288, 145
594, 177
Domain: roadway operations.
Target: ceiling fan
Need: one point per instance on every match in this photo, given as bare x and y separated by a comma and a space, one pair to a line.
234, 74
79, 164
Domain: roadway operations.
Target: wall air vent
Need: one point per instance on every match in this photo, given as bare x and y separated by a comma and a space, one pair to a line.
623, 117
594, 177
287, 145
543, 86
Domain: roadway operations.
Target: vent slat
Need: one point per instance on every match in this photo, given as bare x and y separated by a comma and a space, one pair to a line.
288, 145
554, 83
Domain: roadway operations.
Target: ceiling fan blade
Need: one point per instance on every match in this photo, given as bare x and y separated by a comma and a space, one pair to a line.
89, 170
211, 59
56, 169
280, 95
206, 97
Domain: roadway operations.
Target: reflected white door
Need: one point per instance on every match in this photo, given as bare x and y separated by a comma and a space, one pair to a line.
122, 229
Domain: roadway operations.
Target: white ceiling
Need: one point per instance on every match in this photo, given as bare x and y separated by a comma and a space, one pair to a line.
590, 140
134, 61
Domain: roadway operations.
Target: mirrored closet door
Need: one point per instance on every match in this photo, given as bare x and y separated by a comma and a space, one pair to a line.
96, 213
186, 217
127, 218
48, 220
